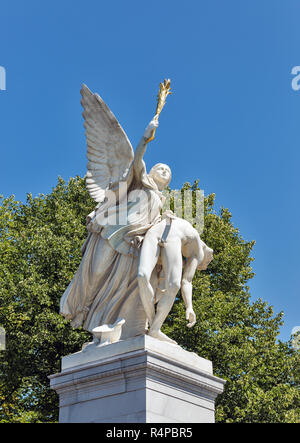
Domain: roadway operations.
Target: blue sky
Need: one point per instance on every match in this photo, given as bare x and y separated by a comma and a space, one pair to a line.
232, 121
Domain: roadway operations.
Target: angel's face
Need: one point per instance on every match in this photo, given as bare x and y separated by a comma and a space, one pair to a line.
161, 174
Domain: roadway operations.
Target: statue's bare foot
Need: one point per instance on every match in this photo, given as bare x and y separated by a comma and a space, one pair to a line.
161, 336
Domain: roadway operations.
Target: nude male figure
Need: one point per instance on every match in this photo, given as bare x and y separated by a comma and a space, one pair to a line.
166, 242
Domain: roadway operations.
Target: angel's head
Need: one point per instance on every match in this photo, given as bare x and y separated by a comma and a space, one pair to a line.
161, 174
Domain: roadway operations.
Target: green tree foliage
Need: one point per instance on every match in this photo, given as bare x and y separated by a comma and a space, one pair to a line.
40, 251
40, 244
240, 337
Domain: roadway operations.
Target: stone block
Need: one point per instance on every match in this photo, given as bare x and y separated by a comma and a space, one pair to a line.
138, 380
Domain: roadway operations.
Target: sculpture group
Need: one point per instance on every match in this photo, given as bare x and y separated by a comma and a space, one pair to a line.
135, 258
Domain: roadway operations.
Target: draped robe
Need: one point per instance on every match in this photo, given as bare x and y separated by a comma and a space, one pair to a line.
105, 286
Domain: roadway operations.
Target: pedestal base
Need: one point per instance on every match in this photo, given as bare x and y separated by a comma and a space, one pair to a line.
138, 380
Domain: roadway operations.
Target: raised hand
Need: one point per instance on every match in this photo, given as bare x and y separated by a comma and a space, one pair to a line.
151, 128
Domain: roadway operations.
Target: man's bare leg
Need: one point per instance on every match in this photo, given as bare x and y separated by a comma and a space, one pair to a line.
148, 259
163, 308
172, 265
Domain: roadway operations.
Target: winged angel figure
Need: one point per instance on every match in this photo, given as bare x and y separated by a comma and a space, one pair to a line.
129, 201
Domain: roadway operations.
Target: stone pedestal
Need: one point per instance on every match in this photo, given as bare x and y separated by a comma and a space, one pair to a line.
138, 380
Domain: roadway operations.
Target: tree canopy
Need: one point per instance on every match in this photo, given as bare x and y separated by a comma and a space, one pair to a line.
40, 244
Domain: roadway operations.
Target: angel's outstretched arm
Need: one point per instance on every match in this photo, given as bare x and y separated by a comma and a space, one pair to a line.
138, 163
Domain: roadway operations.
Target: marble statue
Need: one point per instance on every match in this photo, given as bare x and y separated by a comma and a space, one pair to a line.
168, 241
107, 334
132, 257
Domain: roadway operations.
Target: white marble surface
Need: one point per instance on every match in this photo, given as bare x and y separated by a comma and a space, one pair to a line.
96, 353
141, 380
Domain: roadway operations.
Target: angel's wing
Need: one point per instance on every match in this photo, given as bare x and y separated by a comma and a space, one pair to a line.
109, 151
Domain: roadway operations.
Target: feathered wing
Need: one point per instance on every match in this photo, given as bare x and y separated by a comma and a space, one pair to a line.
109, 151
